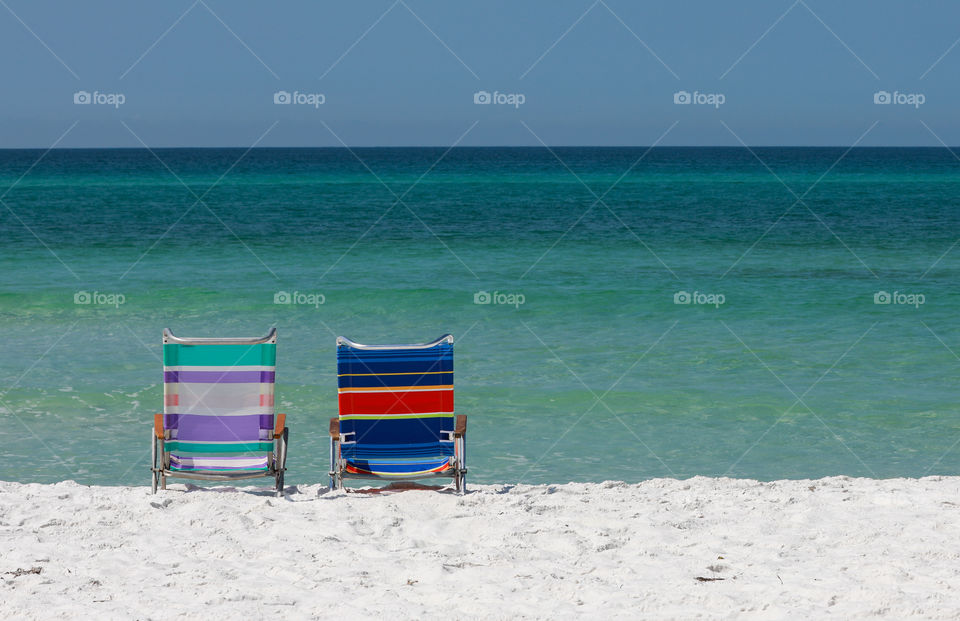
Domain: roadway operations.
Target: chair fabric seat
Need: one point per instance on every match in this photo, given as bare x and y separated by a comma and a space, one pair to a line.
219, 406
396, 409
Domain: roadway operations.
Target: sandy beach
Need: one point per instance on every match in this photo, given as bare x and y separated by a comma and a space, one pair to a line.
663, 549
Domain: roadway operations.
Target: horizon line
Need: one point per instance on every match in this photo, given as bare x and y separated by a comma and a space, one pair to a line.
505, 146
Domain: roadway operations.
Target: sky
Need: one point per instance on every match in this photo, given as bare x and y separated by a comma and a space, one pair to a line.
237, 73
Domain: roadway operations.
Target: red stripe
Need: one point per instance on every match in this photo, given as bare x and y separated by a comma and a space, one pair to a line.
407, 402
171, 400
266, 400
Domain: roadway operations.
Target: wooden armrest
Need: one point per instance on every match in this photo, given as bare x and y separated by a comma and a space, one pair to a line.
335, 427
460, 428
158, 425
280, 424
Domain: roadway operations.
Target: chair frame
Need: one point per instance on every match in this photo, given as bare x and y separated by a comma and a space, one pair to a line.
160, 458
459, 470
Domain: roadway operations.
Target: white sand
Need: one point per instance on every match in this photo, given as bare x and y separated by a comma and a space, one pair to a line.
834, 548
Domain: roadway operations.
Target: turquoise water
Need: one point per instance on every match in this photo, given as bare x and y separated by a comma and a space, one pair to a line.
597, 375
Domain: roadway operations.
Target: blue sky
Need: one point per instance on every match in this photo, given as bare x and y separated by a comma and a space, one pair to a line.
405, 72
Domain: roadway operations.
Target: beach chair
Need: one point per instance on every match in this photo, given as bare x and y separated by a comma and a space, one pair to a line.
218, 418
396, 417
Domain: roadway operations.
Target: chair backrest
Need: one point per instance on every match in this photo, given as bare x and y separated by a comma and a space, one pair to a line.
395, 401
218, 401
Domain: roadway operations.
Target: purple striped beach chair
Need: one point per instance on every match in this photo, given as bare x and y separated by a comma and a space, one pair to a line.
218, 419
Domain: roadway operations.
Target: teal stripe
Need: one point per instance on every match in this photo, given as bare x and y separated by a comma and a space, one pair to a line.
175, 354
226, 447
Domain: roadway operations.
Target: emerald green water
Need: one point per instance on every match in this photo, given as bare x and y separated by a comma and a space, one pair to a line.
683, 389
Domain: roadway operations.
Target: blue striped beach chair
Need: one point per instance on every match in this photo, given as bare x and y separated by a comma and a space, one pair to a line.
218, 414
396, 417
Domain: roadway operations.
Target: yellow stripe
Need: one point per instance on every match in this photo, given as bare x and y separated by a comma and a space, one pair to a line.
405, 373
394, 388
401, 416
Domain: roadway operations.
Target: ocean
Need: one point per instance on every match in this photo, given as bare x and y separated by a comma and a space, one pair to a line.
619, 313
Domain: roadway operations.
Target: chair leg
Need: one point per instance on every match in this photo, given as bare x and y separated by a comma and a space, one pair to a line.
161, 462
281, 463
462, 464
334, 478
153, 463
